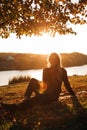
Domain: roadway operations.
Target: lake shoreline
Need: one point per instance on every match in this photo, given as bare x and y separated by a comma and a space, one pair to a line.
5, 76
39, 68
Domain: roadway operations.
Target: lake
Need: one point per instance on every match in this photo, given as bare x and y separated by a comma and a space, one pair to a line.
6, 75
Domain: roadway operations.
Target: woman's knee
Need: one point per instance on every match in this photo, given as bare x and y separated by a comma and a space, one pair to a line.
34, 83
33, 80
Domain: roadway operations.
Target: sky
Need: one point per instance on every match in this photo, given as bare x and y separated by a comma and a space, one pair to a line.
46, 44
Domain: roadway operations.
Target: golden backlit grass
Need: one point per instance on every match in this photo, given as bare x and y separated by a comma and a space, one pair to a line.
16, 91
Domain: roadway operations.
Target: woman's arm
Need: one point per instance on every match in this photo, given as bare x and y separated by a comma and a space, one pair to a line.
74, 98
45, 76
67, 83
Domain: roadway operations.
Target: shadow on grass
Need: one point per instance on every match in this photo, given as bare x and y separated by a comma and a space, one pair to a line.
53, 116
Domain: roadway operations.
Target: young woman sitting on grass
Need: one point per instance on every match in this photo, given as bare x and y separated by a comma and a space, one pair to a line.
49, 89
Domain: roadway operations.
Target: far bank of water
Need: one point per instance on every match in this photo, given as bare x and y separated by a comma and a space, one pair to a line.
6, 75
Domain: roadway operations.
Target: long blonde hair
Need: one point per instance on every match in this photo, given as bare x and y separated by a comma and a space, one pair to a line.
58, 57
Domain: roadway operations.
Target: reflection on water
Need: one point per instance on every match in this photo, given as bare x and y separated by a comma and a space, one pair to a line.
6, 75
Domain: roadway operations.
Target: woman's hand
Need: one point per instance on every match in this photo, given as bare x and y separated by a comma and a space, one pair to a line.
77, 105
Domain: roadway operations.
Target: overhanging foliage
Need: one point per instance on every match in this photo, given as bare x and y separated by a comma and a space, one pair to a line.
33, 17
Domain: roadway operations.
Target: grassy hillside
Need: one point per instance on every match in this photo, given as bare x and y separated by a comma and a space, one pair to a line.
18, 61
54, 116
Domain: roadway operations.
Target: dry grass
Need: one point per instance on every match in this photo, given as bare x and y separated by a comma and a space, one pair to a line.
45, 117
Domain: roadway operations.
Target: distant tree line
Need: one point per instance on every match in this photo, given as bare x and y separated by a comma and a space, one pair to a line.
17, 61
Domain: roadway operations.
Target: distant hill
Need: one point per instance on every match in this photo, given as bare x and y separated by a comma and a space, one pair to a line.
73, 59
19, 61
